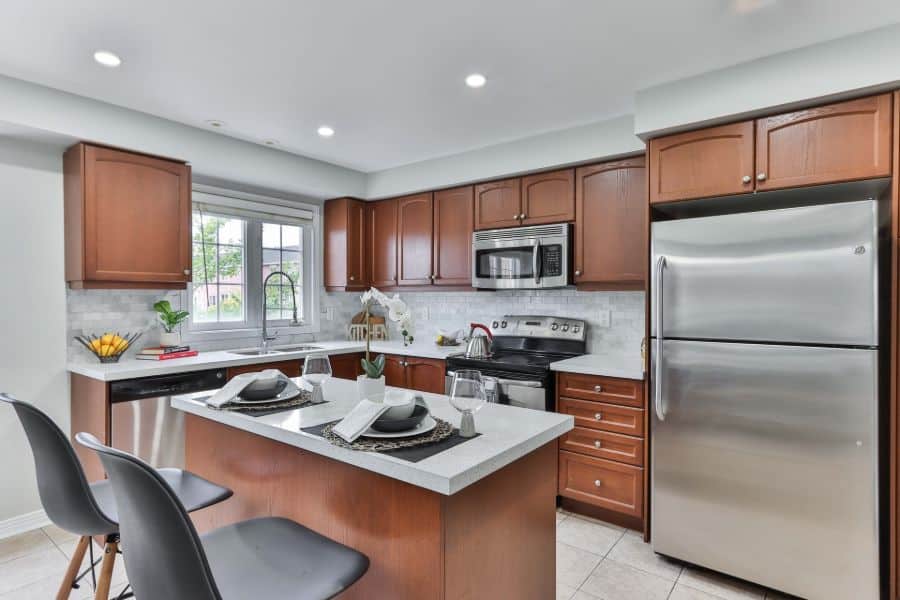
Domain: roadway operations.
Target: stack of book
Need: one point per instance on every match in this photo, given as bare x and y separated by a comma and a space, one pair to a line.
165, 352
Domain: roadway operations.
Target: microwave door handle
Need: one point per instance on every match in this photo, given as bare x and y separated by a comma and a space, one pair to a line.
658, 375
536, 261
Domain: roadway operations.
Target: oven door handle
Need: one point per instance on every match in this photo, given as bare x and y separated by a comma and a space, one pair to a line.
513, 382
536, 261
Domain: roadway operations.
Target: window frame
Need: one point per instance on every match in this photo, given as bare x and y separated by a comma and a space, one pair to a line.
287, 212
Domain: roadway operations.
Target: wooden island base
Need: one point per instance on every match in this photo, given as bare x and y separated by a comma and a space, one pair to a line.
493, 539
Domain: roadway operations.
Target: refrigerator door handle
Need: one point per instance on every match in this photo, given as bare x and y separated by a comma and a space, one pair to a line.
657, 387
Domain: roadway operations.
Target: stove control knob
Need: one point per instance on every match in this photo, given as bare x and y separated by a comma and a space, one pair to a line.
494, 325
576, 329
555, 326
565, 327
502, 323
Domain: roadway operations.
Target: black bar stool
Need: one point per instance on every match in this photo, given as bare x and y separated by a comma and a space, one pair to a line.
267, 557
89, 509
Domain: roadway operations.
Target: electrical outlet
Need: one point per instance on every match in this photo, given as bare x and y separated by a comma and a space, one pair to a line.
604, 319
329, 313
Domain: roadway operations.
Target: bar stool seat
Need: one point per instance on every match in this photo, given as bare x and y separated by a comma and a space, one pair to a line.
273, 557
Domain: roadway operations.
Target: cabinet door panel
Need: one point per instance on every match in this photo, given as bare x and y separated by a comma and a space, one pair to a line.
382, 243
345, 366
610, 228
717, 161
454, 214
137, 212
425, 375
394, 371
601, 482
291, 368
548, 197
357, 275
498, 204
415, 231
607, 417
838, 142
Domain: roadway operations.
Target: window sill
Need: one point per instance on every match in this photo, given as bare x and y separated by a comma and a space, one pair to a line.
283, 329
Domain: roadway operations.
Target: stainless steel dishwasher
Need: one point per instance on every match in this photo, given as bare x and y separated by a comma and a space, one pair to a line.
143, 421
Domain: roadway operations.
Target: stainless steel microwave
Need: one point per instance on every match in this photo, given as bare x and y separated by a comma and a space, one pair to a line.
522, 257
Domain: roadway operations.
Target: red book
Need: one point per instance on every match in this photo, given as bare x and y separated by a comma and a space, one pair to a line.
168, 356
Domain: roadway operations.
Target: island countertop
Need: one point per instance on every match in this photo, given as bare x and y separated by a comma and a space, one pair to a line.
507, 434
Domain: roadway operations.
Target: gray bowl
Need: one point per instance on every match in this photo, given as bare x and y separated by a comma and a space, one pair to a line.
394, 425
263, 390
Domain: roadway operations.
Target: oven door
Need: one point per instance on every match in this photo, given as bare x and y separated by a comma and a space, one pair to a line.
526, 393
520, 263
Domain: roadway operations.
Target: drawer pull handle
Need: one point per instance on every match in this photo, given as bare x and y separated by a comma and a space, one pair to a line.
597, 483
597, 444
598, 416
598, 388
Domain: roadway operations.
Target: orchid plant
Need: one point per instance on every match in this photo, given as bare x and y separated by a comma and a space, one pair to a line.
398, 312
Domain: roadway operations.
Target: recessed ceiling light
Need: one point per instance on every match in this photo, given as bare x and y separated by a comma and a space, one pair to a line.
107, 58
215, 123
325, 131
270, 142
476, 80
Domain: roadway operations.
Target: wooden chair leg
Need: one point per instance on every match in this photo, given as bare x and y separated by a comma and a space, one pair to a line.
65, 587
106, 571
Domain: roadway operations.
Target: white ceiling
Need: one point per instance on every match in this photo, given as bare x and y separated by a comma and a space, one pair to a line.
388, 75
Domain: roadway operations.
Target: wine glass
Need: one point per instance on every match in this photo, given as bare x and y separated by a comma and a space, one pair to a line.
316, 370
467, 395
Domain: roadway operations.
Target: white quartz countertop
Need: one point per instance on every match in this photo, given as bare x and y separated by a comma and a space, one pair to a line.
625, 366
131, 368
507, 434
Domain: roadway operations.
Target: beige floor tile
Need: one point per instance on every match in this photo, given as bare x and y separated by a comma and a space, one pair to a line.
723, 586
683, 592
564, 592
560, 516
22, 571
776, 595
47, 588
24, 543
635, 553
573, 565
583, 595
592, 536
59, 535
119, 574
615, 581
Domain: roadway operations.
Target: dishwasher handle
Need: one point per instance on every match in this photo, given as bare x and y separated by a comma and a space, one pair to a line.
127, 390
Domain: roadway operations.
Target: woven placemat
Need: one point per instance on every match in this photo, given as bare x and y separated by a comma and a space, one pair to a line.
442, 431
261, 409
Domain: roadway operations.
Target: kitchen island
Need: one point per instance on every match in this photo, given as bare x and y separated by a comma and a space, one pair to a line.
476, 520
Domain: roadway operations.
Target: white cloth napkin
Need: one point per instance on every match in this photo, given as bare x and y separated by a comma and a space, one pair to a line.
233, 388
359, 420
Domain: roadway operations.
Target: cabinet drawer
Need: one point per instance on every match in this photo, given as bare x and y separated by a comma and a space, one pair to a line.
625, 392
603, 483
608, 417
603, 444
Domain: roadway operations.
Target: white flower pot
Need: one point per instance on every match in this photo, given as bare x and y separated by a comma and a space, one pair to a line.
373, 389
170, 339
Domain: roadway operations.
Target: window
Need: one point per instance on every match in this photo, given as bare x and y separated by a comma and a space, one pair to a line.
237, 243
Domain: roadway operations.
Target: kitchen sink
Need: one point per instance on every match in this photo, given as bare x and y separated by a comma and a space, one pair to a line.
255, 352
300, 348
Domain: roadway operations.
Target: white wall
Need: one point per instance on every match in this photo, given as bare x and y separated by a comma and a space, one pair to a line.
33, 316
846, 66
596, 141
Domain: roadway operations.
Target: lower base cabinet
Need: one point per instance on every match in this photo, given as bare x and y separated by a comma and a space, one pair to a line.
604, 483
413, 373
346, 366
291, 368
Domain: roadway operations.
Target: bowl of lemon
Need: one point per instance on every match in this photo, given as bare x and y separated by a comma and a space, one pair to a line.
108, 347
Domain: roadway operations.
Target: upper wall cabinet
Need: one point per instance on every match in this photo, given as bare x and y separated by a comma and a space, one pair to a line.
828, 144
382, 243
548, 197
610, 232
127, 219
414, 232
838, 142
498, 204
345, 245
453, 226
711, 162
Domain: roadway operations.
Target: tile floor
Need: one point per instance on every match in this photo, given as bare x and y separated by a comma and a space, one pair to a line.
594, 561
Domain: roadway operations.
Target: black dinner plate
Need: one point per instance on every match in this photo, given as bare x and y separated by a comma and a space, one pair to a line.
395, 425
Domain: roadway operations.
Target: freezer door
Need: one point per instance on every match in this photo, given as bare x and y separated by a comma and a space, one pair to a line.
764, 465
803, 275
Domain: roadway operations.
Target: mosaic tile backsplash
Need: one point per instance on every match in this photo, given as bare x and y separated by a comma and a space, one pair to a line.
132, 310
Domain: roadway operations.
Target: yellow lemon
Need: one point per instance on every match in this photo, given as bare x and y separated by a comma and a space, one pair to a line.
106, 339
95, 344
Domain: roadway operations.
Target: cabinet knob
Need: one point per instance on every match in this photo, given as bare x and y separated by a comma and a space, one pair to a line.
577, 273
522, 216
432, 278
597, 483
516, 216
597, 444
761, 177
352, 278
187, 271
747, 179
598, 417
598, 388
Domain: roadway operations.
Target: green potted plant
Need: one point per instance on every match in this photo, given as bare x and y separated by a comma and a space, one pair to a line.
169, 320
371, 383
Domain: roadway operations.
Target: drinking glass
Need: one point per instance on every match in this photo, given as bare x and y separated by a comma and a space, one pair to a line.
467, 395
316, 370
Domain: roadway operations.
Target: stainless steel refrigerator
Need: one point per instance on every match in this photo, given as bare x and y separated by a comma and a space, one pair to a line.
765, 396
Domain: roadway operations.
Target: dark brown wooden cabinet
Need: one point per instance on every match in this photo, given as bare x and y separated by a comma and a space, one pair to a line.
127, 219
838, 142
345, 245
548, 197
611, 485
346, 366
454, 215
498, 204
717, 161
413, 373
382, 243
415, 235
291, 368
610, 227
394, 371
